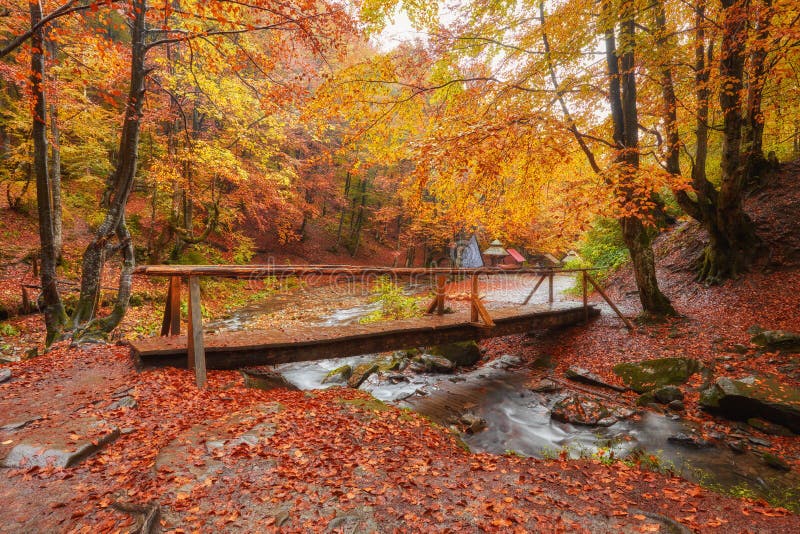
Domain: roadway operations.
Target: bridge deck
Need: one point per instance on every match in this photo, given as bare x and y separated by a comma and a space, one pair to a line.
230, 350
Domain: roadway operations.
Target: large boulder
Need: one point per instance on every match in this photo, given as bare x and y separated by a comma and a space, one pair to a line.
581, 410
462, 354
648, 375
777, 340
754, 396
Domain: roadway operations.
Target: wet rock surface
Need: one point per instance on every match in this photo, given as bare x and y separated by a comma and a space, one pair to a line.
648, 375
57, 447
5, 375
754, 396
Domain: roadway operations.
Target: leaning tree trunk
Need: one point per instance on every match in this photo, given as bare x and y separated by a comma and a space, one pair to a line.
54, 315
119, 188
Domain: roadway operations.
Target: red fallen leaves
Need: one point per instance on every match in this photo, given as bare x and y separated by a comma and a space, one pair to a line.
330, 447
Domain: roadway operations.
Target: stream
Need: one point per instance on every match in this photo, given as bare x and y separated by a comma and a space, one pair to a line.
517, 419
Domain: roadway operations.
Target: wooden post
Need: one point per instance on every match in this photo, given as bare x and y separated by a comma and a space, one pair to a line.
528, 298
440, 283
477, 309
585, 297
550, 288
625, 320
171, 324
473, 296
196, 348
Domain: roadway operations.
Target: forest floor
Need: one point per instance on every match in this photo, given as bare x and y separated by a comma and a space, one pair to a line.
109, 447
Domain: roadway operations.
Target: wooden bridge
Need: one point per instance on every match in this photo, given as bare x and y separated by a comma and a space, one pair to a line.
230, 350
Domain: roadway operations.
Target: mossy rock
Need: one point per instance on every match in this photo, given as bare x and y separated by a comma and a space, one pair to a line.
340, 374
648, 375
462, 353
361, 373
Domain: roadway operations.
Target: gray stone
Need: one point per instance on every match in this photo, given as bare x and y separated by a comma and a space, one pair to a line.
762, 397
667, 394
16, 425
462, 354
436, 364
472, 423
579, 374
689, 440
760, 442
648, 375
5, 375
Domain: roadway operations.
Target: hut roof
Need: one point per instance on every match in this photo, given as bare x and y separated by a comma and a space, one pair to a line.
495, 249
516, 255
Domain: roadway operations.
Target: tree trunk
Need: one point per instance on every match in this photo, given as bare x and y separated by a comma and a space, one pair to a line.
54, 315
119, 188
733, 243
624, 114
55, 166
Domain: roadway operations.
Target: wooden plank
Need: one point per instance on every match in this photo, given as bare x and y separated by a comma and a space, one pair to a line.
528, 298
195, 342
232, 350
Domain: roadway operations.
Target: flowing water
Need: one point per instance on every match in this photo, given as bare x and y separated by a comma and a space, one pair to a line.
518, 419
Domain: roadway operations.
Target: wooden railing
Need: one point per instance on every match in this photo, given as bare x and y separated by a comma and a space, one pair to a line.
479, 315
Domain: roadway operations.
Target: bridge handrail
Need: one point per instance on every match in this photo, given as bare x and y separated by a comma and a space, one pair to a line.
241, 271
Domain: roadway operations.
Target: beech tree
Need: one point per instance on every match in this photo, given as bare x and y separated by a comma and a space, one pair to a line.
319, 29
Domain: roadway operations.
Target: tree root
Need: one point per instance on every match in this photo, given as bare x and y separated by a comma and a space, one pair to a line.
149, 516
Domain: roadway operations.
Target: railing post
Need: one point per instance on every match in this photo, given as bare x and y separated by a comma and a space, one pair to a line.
195, 344
473, 296
440, 283
585, 297
550, 287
